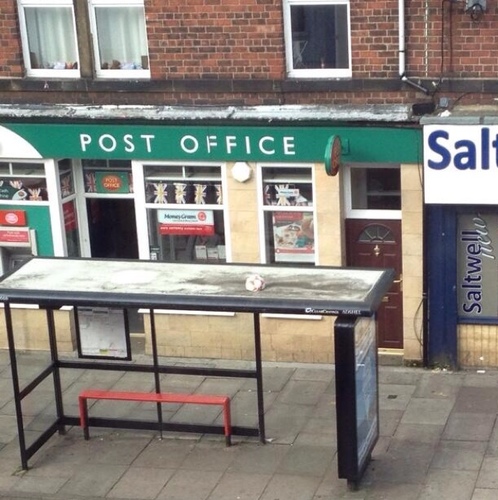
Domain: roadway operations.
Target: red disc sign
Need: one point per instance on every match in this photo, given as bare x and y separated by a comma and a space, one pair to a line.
333, 153
12, 217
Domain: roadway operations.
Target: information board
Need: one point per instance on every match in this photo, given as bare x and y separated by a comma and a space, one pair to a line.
102, 332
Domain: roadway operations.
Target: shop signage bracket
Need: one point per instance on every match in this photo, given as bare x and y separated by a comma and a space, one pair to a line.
352, 294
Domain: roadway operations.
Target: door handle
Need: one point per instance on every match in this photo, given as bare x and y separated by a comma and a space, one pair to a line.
400, 282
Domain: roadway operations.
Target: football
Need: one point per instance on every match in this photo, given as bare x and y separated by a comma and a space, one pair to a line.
255, 283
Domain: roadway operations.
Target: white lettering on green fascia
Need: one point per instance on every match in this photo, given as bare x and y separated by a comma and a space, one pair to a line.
231, 144
108, 143
191, 144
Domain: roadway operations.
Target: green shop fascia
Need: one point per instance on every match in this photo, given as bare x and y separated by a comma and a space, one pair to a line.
181, 142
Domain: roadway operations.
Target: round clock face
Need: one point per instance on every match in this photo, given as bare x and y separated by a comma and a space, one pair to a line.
333, 153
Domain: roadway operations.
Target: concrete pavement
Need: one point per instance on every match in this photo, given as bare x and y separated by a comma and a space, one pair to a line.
439, 439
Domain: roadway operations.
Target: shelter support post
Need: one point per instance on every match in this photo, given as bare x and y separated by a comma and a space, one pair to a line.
15, 385
259, 378
56, 373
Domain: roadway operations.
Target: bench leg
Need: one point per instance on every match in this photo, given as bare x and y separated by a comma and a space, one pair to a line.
227, 423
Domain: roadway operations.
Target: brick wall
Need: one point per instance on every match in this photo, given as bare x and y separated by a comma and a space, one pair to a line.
10, 43
442, 39
214, 42
215, 38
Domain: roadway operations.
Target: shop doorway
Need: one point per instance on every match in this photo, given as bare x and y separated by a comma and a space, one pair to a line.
112, 228
113, 235
377, 243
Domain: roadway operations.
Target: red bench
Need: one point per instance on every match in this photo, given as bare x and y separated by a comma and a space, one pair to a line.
199, 399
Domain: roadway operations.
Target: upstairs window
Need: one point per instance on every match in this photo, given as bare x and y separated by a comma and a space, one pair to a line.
49, 38
317, 38
119, 38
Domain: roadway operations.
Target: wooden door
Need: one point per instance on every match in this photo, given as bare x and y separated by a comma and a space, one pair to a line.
377, 243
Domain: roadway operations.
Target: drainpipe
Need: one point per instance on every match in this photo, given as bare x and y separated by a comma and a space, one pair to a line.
404, 78
402, 50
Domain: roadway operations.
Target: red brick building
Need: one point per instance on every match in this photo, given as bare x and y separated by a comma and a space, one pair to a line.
218, 52
232, 106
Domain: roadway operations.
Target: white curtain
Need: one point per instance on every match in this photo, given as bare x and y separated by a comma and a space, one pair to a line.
121, 36
50, 37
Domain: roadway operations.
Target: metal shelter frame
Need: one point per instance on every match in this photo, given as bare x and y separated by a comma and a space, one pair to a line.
52, 282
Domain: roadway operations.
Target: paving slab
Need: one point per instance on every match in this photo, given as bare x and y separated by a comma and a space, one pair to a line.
141, 482
459, 455
433, 411
240, 486
291, 487
190, 484
454, 485
469, 426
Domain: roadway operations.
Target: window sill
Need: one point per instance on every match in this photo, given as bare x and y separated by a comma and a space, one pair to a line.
123, 74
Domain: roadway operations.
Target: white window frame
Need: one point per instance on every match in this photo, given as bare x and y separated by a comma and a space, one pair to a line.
262, 209
141, 206
318, 72
130, 74
45, 72
352, 213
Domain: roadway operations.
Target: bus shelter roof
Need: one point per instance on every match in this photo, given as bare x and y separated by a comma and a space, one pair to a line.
320, 290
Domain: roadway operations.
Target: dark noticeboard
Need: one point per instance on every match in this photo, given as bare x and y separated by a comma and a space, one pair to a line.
356, 395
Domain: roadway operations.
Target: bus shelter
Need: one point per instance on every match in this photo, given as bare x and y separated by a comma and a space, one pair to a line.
351, 294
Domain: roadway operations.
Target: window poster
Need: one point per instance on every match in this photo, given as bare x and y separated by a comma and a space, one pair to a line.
477, 265
102, 332
294, 238
186, 222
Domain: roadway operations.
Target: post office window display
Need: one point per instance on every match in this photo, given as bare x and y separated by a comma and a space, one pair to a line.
317, 38
185, 212
119, 38
48, 36
288, 214
23, 182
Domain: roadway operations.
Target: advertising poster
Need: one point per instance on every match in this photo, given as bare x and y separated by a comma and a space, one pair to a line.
367, 411
477, 266
69, 212
27, 189
186, 222
294, 237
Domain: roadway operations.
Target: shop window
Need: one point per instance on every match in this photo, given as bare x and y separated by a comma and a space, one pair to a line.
48, 36
288, 215
69, 208
185, 213
317, 38
66, 179
23, 182
119, 38
373, 191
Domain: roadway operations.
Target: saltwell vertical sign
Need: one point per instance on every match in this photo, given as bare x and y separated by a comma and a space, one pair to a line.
477, 272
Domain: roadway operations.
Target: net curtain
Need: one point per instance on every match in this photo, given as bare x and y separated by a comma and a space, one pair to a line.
51, 37
121, 37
